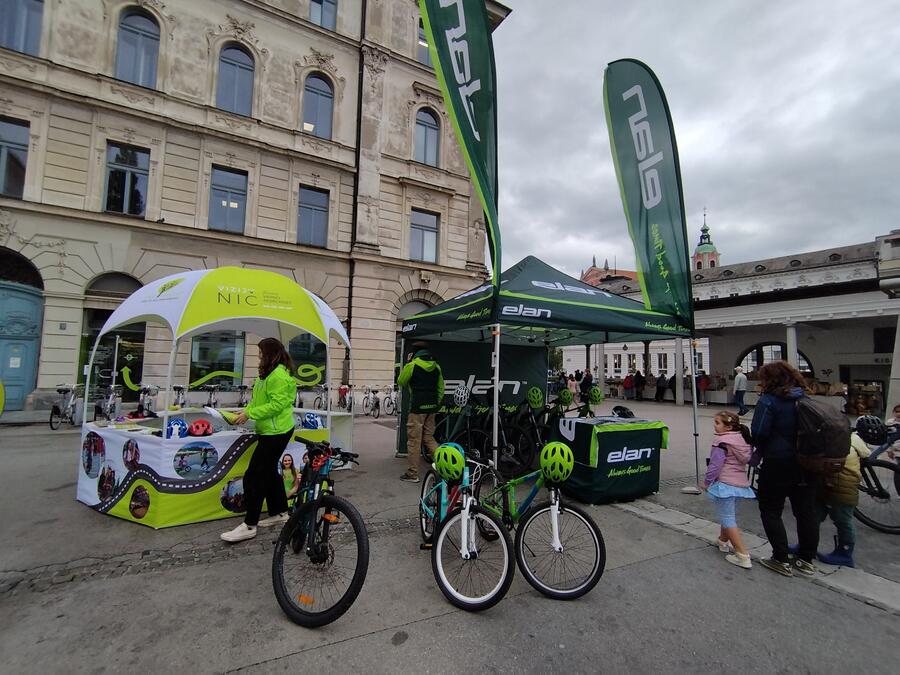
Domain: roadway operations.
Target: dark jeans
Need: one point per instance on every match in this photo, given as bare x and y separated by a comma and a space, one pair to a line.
739, 401
263, 480
781, 479
660, 394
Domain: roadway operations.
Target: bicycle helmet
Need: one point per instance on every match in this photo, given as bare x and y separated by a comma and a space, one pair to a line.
311, 421
461, 396
177, 427
535, 398
595, 395
622, 411
557, 461
449, 461
200, 428
871, 429
564, 397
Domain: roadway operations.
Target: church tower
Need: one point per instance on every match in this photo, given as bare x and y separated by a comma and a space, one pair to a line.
705, 255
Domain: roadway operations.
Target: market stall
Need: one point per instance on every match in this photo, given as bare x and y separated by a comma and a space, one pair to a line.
153, 473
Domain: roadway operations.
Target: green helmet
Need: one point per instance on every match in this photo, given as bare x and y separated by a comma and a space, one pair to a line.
535, 398
557, 462
564, 396
595, 395
449, 461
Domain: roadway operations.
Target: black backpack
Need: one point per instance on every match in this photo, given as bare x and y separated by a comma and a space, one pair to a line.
823, 436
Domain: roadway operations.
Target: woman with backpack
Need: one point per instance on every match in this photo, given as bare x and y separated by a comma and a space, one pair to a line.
726, 481
774, 431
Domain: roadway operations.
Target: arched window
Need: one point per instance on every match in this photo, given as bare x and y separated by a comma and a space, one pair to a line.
17, 268
138, 49
427, 138
318, 105
423, 54
112, 285
699, 264
20, 28
234, 90
712, 263
759, 355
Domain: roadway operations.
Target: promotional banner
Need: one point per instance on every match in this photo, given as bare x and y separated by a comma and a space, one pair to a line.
459, 39
646, 158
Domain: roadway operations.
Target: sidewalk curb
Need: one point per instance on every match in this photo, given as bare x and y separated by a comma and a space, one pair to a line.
855, 583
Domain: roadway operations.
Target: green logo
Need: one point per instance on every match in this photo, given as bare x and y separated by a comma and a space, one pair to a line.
309, 375
169, 285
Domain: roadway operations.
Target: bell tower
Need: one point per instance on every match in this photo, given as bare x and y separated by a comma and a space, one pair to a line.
705, 255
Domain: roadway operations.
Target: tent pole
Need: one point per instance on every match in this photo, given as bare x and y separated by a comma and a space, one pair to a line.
328, 387
87, 383
495, 431
694, 489
166, 395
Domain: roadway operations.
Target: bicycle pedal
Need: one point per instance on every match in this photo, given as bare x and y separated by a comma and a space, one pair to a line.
425, 547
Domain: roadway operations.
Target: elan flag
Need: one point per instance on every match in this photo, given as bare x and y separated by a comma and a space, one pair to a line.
459, 40
646, 160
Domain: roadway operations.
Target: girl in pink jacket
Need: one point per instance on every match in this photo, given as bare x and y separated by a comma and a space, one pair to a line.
726, 481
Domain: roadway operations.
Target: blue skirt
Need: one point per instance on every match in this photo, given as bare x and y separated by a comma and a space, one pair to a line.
723, 490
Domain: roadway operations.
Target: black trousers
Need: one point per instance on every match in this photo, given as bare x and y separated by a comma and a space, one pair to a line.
263, 480
781, 479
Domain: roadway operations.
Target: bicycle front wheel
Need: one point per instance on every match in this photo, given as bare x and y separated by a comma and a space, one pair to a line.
376, 410
320, 562
481, 581
429, 505
366, 408
389, 406
566, 574
55, 418
879, 496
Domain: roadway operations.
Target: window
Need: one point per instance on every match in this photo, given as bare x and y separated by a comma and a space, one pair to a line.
632, 362
699, 264
756, 357
234, 91
323, 13
617, 363
318, 101
427, 138
138, 49
423, 54
127, 170
312, 221
227, 200
662, 362
13, 157
220, 352
699, 360
423, 233
712, 263
20, 28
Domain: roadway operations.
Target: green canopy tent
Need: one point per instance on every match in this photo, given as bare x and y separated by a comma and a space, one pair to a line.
539, 305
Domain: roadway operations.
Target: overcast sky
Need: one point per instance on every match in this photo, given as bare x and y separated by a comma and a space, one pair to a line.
786, 116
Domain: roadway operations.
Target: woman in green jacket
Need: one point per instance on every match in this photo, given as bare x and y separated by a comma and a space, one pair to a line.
272, 409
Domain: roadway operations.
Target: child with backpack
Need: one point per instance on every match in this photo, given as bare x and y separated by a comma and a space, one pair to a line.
726, 481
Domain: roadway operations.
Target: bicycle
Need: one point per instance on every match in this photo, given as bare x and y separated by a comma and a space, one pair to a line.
879, 488
367, 401
64, 409
147, 399
180, 401
108, 407
321, 555
321, 400
375, 404
390, 400
243, 397
212, 400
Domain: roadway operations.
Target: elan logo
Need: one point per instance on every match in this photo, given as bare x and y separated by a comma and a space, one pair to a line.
481, 387
410, 326
522, 310
651, 190
626, 455
462, 66
556, 286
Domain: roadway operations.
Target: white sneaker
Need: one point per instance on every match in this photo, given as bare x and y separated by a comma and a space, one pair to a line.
725, 546
739, 559
280, 519
240, 533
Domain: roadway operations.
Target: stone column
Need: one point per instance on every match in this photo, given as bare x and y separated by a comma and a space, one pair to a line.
893, 392
679, 371
792, 357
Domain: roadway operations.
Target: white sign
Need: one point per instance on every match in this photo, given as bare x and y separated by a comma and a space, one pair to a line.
15, 361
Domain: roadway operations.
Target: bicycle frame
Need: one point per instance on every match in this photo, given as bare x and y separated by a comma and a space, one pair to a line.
448, 497
509, 510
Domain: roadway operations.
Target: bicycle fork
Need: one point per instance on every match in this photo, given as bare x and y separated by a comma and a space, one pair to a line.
467, 548
554, 521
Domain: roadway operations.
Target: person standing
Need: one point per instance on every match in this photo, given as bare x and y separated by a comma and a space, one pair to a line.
423, 377
740, 389
662, 383
639, 383
587, 381
271, 407
774, 431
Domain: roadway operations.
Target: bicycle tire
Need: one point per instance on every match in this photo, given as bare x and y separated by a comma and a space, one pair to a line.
516, 454
55, 417
494, 557
534, 535
297, 610
317, 403
474, 442
389, 406
376, 409
426, 523
366, 410
486, 484
872, 511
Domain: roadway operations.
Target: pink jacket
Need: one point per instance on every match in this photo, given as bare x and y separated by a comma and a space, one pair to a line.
728, 459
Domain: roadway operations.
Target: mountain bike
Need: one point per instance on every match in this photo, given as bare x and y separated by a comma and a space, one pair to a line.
64, 409
879, 488
322, 553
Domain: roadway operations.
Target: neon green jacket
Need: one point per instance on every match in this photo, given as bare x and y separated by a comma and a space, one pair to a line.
272, 403
425, 381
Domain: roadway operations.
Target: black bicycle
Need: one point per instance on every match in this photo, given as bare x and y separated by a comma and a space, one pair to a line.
322, 553
879, 494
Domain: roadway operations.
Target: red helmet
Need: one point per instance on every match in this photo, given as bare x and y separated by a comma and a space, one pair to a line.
200, 428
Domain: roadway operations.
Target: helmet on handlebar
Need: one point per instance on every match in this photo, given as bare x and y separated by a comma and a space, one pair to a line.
311, 421
564, 397
461, 395
177, 427
557, 461
449, 461
200, 428
595, 395
871, 429
535, 397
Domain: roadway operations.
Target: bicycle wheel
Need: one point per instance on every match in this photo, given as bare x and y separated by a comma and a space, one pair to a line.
317, 581
428, 497
475, 442
376, 409
575, 570
55, 417
389, 405
481, 581
483, 491
366, 409
879, 498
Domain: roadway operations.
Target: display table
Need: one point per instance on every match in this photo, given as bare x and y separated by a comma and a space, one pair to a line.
615, 458
128, 472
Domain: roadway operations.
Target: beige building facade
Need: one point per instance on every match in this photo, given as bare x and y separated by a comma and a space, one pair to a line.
336, 105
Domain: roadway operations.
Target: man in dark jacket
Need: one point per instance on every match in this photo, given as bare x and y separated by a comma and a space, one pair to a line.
423, 378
